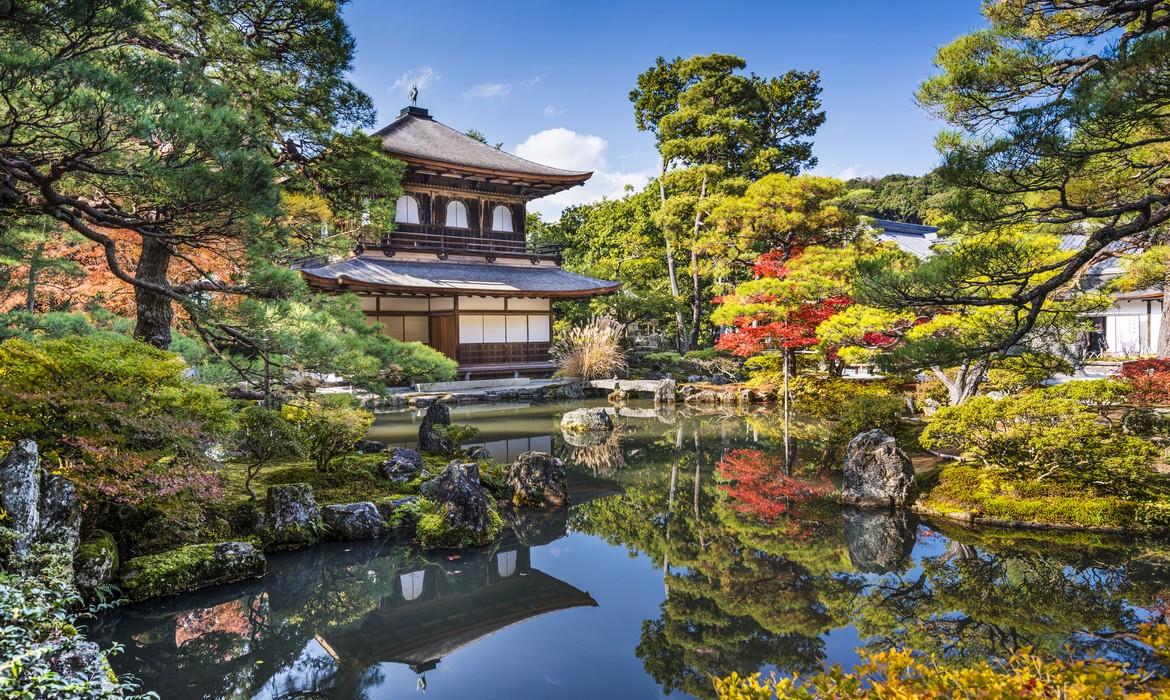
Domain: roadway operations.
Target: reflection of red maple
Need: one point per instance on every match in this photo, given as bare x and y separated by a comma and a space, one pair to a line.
235, 618
757, 485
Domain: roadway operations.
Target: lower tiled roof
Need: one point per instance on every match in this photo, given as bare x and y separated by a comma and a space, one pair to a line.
457, 278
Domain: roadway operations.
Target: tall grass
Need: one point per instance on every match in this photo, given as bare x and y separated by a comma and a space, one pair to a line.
591, 351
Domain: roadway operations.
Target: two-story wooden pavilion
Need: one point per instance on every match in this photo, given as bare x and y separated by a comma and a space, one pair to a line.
456, 272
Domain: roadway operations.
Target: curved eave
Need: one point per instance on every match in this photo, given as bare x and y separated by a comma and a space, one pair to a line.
345, 284
547, 183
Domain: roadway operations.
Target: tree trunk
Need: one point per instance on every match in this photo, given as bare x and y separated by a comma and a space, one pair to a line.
696, 283
672, 274
1164, 326
34, 268
965, 383
154, 311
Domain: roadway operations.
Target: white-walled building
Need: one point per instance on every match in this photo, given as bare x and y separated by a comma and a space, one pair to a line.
1128, 329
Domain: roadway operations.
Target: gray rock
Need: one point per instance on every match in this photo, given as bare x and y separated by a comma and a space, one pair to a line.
353, 521
465, 507
292, 519
879, 541
877, 472
430, 439
60, 512
83, 665
583, 420
402, 465
666, 392
537, 480
479, 453
369, 447
21, 492
96, 561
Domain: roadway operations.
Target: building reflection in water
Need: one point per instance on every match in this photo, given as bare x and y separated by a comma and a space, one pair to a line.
323, 621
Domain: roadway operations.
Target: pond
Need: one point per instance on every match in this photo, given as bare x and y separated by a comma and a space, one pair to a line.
684, 555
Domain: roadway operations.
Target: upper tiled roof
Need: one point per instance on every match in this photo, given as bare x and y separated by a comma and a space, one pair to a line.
458, 277
416, 134
915, 239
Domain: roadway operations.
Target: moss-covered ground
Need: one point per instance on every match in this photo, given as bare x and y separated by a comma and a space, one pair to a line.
986, 493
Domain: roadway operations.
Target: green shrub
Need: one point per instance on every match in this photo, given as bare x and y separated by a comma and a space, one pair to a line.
1028, 370
1025, 673
991, 493
1098, 395
1040, 437
126, 424
456, 435
39, 621
1154, 515
262, 436
328, 428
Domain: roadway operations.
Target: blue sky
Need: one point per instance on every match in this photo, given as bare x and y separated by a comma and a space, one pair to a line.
550, 79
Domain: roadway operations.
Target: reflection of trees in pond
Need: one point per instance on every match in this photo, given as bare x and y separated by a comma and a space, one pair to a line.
745, 591
757, 485
970, 604
728, 606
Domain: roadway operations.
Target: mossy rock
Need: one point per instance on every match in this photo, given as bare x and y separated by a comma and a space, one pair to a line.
435, 528
292, 518
191, 568
96, 561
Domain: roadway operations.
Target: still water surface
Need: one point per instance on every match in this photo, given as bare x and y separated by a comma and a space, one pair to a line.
683, 555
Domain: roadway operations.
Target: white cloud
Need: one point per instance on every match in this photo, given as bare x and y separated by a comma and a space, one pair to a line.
850, 172
553, 111
533, 80
489, 91
422, 76
564, 148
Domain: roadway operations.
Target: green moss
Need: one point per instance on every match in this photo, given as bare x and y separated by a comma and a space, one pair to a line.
434, 532
186, 569
355, 477
989, 493
100, 545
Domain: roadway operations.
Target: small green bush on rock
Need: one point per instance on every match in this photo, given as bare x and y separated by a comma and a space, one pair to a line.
327, 429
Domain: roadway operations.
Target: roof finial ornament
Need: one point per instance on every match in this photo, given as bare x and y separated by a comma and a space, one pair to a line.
414, 95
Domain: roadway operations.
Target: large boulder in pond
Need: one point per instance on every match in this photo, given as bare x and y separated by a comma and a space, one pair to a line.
537, 480
585, 420
877, 472
879, 541
190, 568
96, 561
402, 465
430, 439
20, 492
292, 518
464, 516
353, 521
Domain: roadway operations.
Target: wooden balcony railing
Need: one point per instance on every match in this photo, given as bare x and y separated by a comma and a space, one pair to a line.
442, 238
